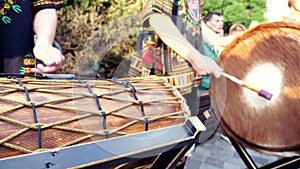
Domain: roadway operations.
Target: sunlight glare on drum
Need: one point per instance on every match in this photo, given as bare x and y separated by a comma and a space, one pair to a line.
267, 77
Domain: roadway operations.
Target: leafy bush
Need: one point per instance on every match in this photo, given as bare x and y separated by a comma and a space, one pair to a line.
93, 32
97, 35
241, 11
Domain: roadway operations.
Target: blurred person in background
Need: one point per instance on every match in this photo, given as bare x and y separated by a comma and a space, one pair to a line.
213, 29
213, 40
214, 21
236, 29
213, 44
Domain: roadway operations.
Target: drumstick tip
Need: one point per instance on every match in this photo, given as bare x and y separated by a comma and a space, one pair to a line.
265, 94
262, 93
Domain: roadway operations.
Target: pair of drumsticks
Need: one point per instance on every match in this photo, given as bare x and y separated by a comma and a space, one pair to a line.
260, 92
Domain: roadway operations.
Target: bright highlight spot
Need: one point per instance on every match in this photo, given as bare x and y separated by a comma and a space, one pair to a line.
265, 77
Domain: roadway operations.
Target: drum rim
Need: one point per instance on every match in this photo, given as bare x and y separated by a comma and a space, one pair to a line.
285, 149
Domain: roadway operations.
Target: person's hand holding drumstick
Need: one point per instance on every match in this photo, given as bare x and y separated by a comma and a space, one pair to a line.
44, 50
170, 35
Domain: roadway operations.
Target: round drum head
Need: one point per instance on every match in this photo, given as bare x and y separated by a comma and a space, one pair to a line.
267, 57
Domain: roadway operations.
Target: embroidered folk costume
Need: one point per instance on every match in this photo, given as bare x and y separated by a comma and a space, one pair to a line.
154, 57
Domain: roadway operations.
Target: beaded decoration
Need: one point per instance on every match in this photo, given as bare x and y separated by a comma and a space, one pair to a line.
43, 4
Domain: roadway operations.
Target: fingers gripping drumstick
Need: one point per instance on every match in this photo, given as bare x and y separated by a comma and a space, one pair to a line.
173, 38
260, 92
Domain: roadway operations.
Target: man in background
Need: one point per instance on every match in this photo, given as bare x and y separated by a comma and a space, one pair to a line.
212, 45
214, 21
213, 40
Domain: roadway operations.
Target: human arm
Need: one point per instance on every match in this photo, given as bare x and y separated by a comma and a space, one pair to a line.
170, 35
44, 26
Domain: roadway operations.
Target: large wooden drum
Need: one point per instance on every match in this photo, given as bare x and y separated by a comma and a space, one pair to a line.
267, 57
38, 115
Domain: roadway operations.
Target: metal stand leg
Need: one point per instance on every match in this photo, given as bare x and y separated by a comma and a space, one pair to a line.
284, 163
243, 154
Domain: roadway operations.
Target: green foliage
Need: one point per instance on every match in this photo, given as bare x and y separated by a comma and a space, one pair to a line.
238, 11
99, 30
85, 5
91, 31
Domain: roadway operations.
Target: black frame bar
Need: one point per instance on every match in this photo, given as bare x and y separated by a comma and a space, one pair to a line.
283, 163
174, 140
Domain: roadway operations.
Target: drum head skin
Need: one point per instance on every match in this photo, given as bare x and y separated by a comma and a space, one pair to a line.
45, 114
267, 57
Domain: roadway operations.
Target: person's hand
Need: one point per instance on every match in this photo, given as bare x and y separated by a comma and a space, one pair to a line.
205, 65
211, 66
49, 55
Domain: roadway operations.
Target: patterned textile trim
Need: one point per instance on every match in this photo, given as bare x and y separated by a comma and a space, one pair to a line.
149, 51
197, 79
165, 7
43, 4
28, 62
192, 21
183, 81
177, 64
145, 72
135, 69
159, 6
156, 57
162, 58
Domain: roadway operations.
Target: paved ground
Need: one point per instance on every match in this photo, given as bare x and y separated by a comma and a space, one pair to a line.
216, 153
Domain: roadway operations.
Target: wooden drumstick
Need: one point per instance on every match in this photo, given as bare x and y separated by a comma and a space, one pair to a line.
174, 39
262, 93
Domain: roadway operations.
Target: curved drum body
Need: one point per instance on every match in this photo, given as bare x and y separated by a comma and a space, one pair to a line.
39, 115
267, 57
